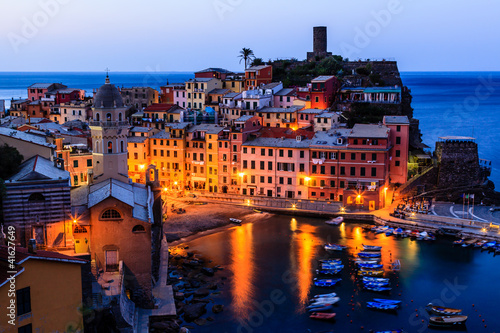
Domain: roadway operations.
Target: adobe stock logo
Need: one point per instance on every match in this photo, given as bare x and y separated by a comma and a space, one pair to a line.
363, 36
226, 6
31, 26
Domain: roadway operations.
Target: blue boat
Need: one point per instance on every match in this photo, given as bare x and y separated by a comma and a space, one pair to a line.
334, 247
328, 271
374, 266
375, 279
326, 282
375, 284
330, 261
371, 247
368, 255
387, 301
489, 244
393, 331
377, 288
381, 306
328, 266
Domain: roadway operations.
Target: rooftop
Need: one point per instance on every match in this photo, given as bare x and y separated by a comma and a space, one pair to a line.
456, 138
160, 107
214, 69
271, 85
231, 95
278, 142
285, 92
369, 131
312, 111
396, 120
36, 139
177, 125
256, 68
45, 85
39, 168
219, 91
280, 110
141, 129
136, 139
323, 78
208, 128
161, 135
244, 118
201, 79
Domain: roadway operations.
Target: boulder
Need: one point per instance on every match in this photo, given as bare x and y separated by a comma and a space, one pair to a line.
166, 326
200, 321
184, 330
208, 271
194, 311
201, 292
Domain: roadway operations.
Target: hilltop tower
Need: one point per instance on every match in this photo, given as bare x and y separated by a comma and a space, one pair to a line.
319, 44
109, 131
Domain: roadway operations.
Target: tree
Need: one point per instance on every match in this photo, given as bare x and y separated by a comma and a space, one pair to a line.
246, 55
257, 62
10, 161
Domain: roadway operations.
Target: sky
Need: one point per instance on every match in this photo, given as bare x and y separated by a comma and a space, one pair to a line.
189, 35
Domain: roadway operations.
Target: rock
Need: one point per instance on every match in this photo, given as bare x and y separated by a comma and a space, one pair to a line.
210, 319
208, 271
194, 311
179, 296
190, 254
184, 330
212, 286
198, 300
217, 308
194, 284
166, 326
175, 288
201, 292
200, 321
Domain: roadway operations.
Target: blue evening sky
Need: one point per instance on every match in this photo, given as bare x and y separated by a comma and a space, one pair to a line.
187, 35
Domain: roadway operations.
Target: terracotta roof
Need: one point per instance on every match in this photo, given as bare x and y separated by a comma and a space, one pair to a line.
288, 133
160, 107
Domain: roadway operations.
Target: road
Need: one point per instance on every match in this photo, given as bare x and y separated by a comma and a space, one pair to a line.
477, 213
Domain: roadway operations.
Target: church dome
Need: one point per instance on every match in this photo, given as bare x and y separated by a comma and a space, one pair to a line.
108, 96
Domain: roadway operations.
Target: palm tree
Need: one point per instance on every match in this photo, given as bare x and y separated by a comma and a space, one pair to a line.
246, 54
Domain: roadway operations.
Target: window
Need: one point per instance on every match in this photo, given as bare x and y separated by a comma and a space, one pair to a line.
362, 171
270, 152
314, 169
353, 171
36, 197
262, 179
332, 170
270, 180
398, 153
374, 157
301, 167
110, 147
75, 180
110, 214
342, 185
396, 163
332, 183
281, 151
398, 140
253, 151
263, 152
138, 229
363, 156
333, 156
245, 164
290, 153
398, 128
342, 156
270, 166
353, 156
374, 172
289, 181
301, 154
25, 329
342, 170
262, 165
355, 141
75, 164
252, 164
23, 301
245, 150
89, 162
282, 180
322, 170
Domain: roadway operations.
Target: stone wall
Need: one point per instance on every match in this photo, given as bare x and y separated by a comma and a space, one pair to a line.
458, 163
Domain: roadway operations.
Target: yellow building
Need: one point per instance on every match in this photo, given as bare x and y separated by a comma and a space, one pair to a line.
139, 156
197, 91
46, 292
235, 83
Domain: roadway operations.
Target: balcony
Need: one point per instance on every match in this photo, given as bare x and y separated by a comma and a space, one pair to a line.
288, 120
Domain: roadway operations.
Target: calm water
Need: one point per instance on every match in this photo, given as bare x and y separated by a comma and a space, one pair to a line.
455, 103
271, 264
459, 103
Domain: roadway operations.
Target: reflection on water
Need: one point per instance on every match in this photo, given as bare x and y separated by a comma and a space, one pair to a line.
303, 250
243, 268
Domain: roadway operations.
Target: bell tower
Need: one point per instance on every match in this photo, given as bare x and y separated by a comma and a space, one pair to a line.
109, 130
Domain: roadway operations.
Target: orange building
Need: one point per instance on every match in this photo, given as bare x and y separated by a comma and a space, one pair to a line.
257, 75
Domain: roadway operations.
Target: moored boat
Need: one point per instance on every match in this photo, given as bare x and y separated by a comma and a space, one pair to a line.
334, 247
480, 243
323, 301
378, 289
381, 306
325, 308
370, 273
369, 254
325, 295
322, 316
335, 221
326, 282
442, 310
388, 301
371, 247
328, 271
469, 242
370, 266
459, 241
447, 321
237, 221
375, 279
257, 211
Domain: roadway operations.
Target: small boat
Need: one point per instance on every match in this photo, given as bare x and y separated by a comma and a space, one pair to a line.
257, 211
469, 242
392, 331
335, 221
325, 308
442, 310
378, 289
333, 265
361, 261
480, 243
328, 271
375, 279
325, 295
237, 221
370, 273
396, 265
388, 301
381, 306
389, 231
322, 316
398, 232
375, 284
489, 244
368, 255
326, 282
330, 261
370, 266
459, 241
323, 301
447, 321
371, 247
334, 247
380, 230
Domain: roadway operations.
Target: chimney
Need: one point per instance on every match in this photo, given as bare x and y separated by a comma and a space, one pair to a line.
32, 246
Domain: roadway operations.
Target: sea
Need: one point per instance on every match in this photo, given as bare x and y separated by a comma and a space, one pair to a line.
446, 103
269, 267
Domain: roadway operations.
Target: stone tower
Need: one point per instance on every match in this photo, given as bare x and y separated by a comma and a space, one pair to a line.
109, 131
319, 44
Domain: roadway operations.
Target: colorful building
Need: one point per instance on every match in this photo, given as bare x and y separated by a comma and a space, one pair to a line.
197, 91
320, 92
256, 76
139, 97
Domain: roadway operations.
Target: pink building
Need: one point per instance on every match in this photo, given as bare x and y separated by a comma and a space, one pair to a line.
399, 140
179, 96
285, 98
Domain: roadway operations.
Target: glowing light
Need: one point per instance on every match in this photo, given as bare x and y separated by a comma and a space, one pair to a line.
307, 179
74, 221
342, 209
413, 214
294, 206
165, 189
359, 196
248, 202
483, 230
241, 174
175, 183
386, 188
142, 166
293, 224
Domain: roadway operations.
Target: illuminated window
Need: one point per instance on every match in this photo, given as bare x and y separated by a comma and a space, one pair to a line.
79, 230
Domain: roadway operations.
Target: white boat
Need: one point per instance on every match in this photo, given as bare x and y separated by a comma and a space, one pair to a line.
335, 221
237, 221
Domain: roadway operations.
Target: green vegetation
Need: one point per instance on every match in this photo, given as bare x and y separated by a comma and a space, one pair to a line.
257, 62
364, 113
9, 164
246, 55
297, 73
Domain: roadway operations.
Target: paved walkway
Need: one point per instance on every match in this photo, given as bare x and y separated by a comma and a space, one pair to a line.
164, 296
